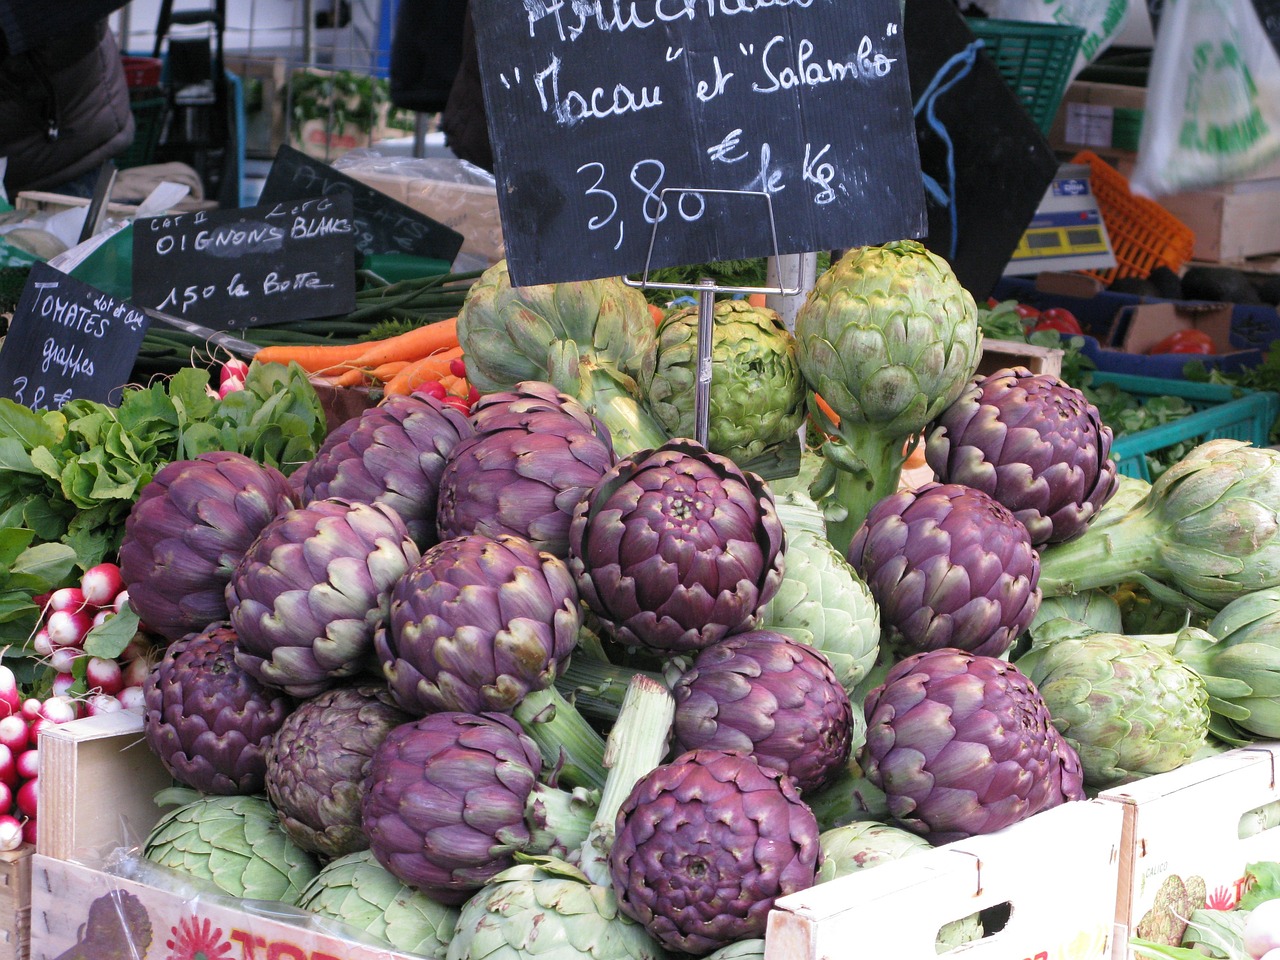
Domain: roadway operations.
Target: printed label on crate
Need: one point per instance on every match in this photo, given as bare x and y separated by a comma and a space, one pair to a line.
68, 341
293, 260
723, 125
382, 223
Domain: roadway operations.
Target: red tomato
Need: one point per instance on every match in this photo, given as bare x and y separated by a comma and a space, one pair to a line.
1060, 319
1188, 340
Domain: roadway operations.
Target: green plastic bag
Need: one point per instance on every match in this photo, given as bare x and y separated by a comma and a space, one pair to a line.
110, 267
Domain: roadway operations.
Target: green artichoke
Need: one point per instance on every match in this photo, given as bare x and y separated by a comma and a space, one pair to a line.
889, 338
821, 600
749, 949
591, 339
235, 843
757, 395
359, 891
1209, 528
1128, 708
319, 761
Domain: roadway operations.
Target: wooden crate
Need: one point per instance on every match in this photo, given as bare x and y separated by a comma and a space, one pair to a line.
997, 354
1198, 826
15, 902
1238, 220
1057, 871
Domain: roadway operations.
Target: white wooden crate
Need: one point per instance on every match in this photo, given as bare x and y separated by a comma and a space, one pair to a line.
1058, 872
1187, 825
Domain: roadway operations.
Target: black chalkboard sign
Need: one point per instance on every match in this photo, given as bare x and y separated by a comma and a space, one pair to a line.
68, 341
272, 263
985, 163
1269, 15
594, 109
383, 224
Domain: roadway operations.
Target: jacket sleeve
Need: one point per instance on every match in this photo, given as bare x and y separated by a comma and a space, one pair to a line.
26, 25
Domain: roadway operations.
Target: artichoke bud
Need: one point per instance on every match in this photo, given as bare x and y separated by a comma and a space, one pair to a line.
564, 370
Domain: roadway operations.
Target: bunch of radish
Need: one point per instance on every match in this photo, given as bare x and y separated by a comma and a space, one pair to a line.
231, 377
20, 723
98, 684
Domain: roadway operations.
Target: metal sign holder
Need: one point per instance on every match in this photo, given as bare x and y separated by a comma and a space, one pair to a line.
706, 289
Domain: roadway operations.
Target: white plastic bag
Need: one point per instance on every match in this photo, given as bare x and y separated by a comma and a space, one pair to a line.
1100, 20
1213, 98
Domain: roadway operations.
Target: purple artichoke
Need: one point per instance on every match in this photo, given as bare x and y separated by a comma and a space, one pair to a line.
209, 721
1032, 442
948, 567
534, 455
676, 548
310, 592
963, 744
186, 532
773, 697
704, 846
319, 761
453, 796
394, 454
477, 624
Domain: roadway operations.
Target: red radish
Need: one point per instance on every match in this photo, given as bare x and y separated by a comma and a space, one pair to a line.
67, 598
28, 764
29, 830
30, 708
132, 698
100, 703
58, 710
62, 684
122, 598
8, 771
28, 797
235, 367
10, 698
10, 832
63, 658
6, 795
135, 672
41, 643
103, 675
100, 584
14, 734
33, 730
138, 646
101, 617
229, 385
68, 627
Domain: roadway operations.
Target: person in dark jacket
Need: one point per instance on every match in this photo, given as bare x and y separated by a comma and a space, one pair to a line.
435, 69
64, 102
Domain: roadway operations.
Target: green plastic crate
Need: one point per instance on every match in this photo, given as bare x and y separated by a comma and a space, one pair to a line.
1035, 59
1221, 412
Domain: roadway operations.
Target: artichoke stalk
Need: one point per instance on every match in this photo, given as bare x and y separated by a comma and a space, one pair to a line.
593, 340
1209, 529
888, 338
553, 909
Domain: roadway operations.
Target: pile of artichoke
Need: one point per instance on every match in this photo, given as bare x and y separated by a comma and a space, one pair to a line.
397, 680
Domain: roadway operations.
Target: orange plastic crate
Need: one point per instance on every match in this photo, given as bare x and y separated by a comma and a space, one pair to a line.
1144, 235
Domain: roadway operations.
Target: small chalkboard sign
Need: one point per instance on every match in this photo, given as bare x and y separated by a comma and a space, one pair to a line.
293, 260
68, 341
383, 224
985, 163
594, 110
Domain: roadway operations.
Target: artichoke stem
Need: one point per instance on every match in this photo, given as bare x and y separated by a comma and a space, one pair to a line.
564, 738
637, 744
630, 426
873, 474
559, 821
597, 688
1099, 558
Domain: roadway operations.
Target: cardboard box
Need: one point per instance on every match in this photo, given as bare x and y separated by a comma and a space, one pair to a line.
1235, 221
1057, 871
100, 778
1137, 329
1188, 835
263, 82
998, 354
1103, 117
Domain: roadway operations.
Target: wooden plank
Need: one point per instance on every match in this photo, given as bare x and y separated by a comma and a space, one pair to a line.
1057, 871
98, 777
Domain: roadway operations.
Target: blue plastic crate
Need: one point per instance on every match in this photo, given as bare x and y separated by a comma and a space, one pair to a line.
1221, 412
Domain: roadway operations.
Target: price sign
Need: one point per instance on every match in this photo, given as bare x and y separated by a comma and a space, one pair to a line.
382, 223
293, 260
607, 117
68, 341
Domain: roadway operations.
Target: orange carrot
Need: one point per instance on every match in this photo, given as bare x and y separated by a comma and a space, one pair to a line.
311, 358
417, 373
350, 377
757, 299
656, 312
416, 343
822, 405
388, 370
